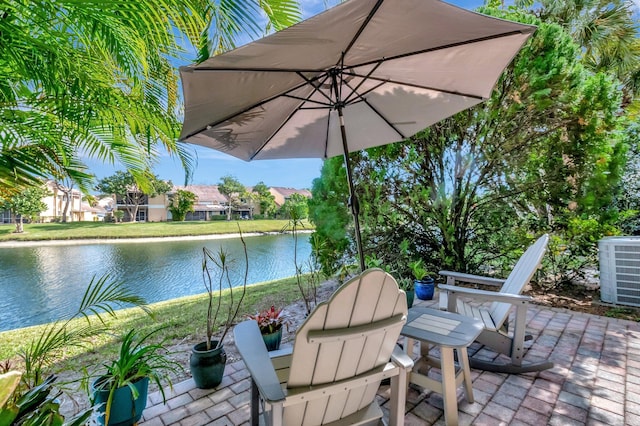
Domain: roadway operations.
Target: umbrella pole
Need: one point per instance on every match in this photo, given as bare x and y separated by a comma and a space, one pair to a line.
353, 198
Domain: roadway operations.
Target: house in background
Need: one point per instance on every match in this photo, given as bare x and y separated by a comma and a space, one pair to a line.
6, 216
56, 201
150, 209
209, 202
91, 213
282, 194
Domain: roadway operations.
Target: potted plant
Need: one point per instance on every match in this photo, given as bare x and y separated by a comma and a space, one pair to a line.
423, 284
39, 405
406, 284
270, 322
208, 358
120, 393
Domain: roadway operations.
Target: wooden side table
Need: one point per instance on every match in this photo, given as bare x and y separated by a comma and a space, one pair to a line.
449, 332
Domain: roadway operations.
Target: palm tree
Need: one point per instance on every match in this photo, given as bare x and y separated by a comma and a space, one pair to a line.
607, 32
98, 79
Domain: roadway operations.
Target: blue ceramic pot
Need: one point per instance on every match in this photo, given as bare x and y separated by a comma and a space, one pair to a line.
125, 411
207, 366
424, 288
410, 296
272, 340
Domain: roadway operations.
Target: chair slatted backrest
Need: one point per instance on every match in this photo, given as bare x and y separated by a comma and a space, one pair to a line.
350, 334
519, 277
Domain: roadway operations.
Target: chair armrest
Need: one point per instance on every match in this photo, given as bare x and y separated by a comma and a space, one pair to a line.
285, 350
401, 359
256, 357
492, 296
474, 279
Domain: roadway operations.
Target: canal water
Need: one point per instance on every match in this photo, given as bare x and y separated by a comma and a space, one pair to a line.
46, 283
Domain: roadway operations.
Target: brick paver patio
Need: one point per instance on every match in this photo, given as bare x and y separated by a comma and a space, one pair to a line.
595, 381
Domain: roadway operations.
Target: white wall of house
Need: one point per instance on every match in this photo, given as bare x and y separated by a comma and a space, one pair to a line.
55, 202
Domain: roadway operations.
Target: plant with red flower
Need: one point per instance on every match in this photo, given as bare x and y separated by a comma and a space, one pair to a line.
270, 320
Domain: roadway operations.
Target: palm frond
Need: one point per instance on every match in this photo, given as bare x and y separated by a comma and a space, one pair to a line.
102, 294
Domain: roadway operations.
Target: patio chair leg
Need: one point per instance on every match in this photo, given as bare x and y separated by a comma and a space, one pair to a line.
448, 370
255, 404
398, 399
463, 359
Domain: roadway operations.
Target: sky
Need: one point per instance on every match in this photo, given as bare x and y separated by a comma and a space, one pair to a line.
212, 165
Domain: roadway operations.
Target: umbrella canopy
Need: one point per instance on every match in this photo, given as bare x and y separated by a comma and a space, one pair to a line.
362, 74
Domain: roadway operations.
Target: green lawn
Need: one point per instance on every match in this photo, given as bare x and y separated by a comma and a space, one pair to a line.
84, 230
184, 318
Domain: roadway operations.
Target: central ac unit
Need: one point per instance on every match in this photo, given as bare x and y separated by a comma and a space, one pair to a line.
620, 270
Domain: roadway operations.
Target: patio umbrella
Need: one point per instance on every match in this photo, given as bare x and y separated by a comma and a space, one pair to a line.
364, 73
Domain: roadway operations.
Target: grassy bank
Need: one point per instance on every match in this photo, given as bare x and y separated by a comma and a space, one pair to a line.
184, 319
86, 230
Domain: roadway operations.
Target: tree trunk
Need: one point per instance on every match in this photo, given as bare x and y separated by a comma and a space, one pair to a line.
19, 226
65, 211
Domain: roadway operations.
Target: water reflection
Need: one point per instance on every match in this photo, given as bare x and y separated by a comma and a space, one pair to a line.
42, 284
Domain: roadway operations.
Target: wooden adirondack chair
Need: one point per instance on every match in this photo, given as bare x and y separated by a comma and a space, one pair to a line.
340, 354
496, 333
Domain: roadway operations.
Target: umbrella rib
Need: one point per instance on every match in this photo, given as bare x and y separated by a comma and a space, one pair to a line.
321, 104
316, 89
253, 69
382, 116
257, 104
326, 139
259, 150
419, 86
402, 135
316, 70
369, 17
365, 78
360, 96
446, 46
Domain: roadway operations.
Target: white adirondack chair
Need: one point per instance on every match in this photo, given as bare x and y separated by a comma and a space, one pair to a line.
497, 334
340, 354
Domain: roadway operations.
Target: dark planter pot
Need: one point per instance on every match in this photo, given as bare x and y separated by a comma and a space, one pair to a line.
424, 288
410, 296
125, 411
272, 340
207, 366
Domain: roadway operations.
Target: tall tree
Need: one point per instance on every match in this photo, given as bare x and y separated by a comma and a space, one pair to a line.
607, 31
328, 211
97, 79
66, 187
628, 199
266, 200
126, 189
27, 203
180, 203
296, 206
233, 190
543, 150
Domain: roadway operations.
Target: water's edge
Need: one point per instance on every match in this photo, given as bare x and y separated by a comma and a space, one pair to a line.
149, 305
43, 281
82, 241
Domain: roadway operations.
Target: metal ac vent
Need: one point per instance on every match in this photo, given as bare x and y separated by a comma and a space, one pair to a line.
620, 270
